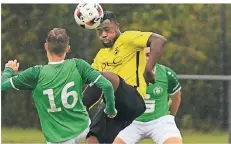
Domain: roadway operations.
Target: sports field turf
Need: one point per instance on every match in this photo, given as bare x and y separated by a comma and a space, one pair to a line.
15, 135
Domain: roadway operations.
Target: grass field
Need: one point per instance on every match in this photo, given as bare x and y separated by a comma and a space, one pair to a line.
14, 135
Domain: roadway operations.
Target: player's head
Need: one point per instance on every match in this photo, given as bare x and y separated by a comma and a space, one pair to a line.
147, 53
57, 42
108, 31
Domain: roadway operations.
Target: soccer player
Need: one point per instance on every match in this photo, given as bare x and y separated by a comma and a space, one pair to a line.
57, 90
158, 121
123, 54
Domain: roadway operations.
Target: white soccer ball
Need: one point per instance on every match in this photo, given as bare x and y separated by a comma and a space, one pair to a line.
88, 15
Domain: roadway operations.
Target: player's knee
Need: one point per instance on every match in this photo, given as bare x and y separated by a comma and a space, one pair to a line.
92, 140
113, 78
175, 140
118, 141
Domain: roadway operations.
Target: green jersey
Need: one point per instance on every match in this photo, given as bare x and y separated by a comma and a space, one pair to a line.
57, 94
157, 94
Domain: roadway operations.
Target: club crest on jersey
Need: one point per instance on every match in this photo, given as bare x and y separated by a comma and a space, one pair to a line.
116, 51
157, 90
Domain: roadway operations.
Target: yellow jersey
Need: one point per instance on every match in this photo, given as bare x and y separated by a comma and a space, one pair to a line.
126, 58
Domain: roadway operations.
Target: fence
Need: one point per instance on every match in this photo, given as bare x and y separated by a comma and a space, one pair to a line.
227, 92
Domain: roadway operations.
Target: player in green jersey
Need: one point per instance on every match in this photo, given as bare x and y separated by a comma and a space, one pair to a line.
157, 122
57, 90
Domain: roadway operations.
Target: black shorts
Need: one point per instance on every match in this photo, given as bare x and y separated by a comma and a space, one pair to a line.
129, 105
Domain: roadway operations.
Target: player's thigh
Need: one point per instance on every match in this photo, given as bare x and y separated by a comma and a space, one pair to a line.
131, 134
164, 128
173, 140
129, 102
98, 123
105, 129
113, 78
91, 96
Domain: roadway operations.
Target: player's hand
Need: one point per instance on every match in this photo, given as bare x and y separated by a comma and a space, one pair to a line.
13, 65
111, 116
149, 77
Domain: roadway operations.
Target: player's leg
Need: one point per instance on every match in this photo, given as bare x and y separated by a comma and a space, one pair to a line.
165, 131
93, 94
104, 129
131, 134
97, 124
129, 105
173, 140
113, 78
129, 101
92, 140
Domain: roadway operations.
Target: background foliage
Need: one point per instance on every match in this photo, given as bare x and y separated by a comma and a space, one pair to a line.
193, 33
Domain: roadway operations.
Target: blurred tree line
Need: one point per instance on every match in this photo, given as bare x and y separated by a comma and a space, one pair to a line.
193, 33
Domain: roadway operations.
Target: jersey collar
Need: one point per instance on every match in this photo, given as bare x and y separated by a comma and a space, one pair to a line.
155, 69
56, 62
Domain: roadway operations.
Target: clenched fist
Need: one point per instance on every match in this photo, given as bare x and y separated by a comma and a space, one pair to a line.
13, 64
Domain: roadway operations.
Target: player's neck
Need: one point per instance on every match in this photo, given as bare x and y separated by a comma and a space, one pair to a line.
55, 58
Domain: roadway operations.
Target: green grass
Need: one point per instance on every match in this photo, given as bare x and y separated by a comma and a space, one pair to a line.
22, 135
14, 135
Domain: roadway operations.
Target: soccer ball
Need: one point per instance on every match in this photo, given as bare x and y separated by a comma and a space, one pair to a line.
88, 15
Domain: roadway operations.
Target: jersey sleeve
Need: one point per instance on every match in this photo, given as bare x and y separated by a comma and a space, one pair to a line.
6, 75
88, 73
140, 39
173, 82
91, 76
26, 80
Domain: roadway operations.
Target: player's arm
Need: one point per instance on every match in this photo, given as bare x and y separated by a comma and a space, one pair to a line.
25, 80
5, 78
91, 76
175, 102
156, 43
174, 90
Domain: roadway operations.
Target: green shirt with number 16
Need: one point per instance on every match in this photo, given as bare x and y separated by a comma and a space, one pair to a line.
57, 94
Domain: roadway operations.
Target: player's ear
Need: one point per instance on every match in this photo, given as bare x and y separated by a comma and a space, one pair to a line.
117, 26
68, 47
46, 46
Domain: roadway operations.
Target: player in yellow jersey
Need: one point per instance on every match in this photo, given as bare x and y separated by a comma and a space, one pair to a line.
123, 62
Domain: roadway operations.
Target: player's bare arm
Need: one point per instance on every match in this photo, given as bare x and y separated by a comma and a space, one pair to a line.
176, 99
156, 43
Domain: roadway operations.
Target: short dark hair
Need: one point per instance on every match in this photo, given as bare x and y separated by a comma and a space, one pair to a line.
110, 16
57, 40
